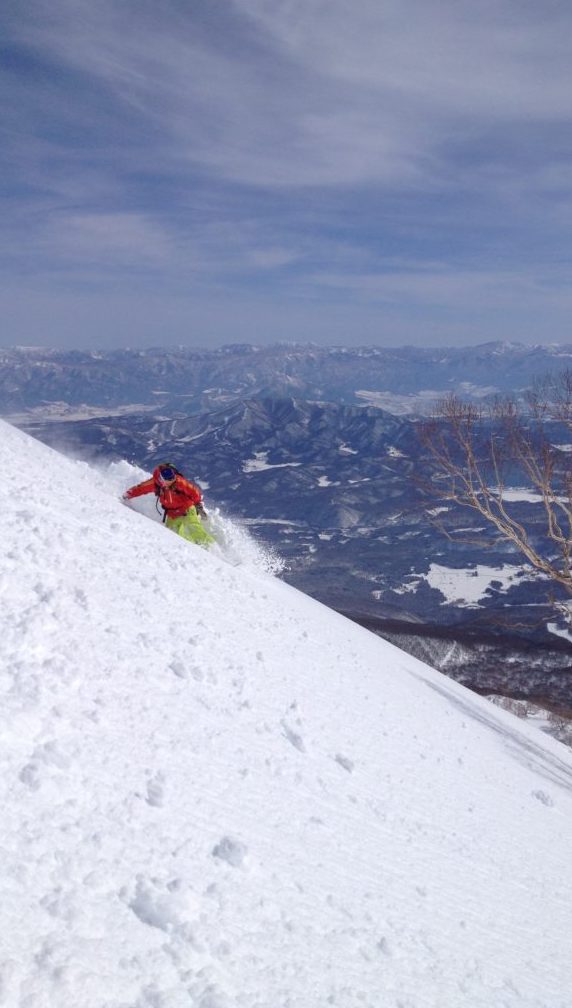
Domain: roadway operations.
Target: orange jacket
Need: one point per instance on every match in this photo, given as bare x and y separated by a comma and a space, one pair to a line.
175, 499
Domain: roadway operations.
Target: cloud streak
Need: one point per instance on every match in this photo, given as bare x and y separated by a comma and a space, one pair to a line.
314, 95
291, 148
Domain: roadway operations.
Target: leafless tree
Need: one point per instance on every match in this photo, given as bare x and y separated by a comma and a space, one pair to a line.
475, 448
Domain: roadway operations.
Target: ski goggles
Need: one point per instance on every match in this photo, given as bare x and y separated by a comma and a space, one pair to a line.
167, 475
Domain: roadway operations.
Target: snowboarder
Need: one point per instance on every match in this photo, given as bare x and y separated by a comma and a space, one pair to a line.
180, 499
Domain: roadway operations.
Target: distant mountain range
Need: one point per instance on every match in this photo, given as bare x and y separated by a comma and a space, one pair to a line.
334, 486
403, 380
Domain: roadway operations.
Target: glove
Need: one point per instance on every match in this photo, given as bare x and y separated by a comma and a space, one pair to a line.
125, 496
200, 509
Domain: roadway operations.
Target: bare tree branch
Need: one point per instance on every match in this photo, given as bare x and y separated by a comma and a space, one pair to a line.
474, 450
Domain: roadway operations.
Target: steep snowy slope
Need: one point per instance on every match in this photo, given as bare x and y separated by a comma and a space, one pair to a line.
216, 793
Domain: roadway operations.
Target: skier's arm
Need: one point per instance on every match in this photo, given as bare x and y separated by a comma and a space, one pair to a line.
191, 490
148, 486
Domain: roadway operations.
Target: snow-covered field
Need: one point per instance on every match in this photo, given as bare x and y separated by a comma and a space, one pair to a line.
260, 464
217, 793
468, 586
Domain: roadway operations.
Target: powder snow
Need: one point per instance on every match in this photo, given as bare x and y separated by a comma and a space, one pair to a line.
217, 793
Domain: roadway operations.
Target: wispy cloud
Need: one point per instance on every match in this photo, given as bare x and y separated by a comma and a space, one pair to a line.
455, 290
287, 151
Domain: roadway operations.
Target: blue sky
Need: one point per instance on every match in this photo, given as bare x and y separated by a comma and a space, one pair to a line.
337, 171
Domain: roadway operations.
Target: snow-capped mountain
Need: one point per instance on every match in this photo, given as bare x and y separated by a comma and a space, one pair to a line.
218, 793
402, 380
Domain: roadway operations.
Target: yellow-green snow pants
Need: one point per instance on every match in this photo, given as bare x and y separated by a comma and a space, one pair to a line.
190, 528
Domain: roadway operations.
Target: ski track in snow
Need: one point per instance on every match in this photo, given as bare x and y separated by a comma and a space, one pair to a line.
217, 793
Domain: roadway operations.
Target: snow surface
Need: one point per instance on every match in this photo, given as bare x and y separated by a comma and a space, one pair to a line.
217, 793
325, 481
523, 494
559, 631
470, 585
260, 463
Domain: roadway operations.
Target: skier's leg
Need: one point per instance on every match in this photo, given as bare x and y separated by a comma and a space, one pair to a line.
174, 524
190, 528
